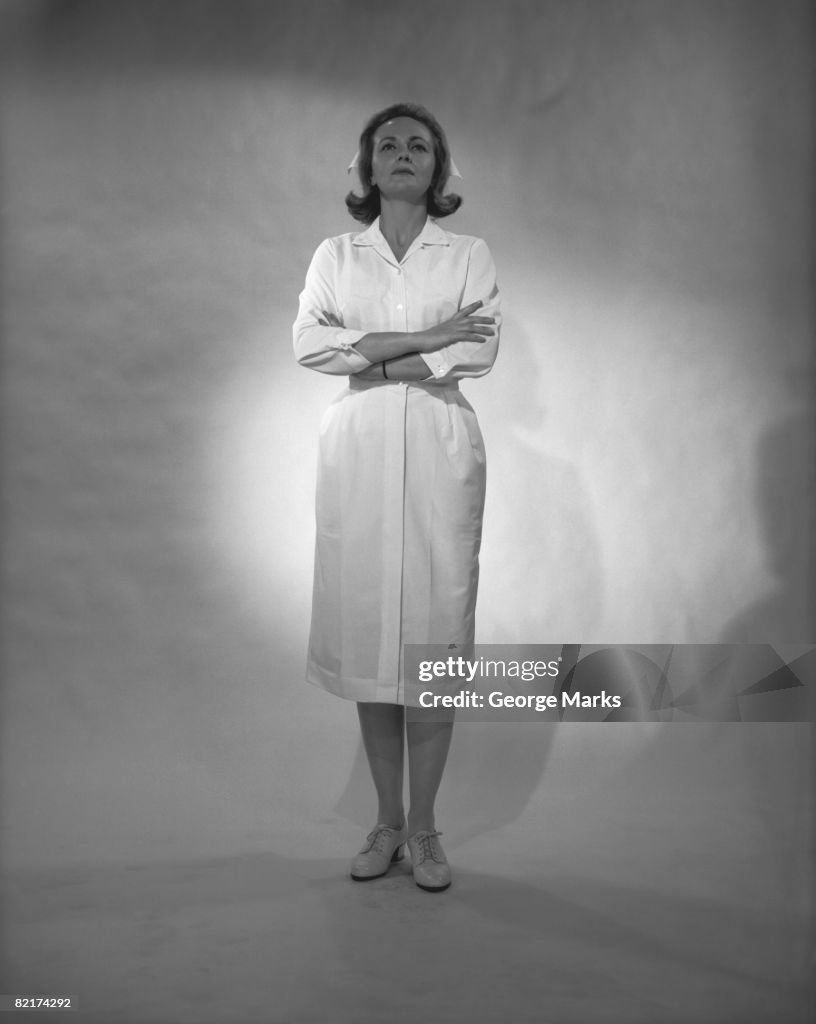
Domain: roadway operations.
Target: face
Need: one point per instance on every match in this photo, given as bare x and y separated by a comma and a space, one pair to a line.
403, 160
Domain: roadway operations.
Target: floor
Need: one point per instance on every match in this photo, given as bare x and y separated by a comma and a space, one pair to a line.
645, 894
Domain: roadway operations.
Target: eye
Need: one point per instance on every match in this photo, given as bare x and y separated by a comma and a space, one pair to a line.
387, 145
421, 146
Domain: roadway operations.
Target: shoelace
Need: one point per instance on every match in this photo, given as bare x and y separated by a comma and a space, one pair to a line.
428, 848
377, 839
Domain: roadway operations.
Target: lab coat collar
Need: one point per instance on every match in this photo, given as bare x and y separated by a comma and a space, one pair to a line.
431, 234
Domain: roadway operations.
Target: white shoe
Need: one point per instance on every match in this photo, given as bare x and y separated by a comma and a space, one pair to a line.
431, 870
384, 847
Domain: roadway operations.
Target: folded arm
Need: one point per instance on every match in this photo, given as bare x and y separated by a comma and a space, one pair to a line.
469, 357
320, 345
447, 350
321, 342
400, 355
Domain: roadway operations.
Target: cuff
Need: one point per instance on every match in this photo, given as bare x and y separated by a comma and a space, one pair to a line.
437, 363
347, 339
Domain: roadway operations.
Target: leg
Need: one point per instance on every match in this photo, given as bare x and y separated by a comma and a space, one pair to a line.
429, 739
383, 730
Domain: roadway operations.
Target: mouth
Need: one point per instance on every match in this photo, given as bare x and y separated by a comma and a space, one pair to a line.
404, 170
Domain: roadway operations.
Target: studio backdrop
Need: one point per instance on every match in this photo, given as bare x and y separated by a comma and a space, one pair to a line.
642, 173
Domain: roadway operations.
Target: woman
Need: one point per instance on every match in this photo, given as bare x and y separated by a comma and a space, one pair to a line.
404, 309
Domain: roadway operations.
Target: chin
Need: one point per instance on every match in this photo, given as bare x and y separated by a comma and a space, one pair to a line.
415, 195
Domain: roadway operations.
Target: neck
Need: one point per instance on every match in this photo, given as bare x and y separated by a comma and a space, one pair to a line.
401, 222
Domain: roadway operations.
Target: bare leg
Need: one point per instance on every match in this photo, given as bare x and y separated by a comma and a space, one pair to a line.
428, 744
383, 729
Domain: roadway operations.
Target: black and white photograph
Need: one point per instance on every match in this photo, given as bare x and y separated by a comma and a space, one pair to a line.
408, 511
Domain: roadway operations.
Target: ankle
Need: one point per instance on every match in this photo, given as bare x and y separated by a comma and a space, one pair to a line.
391, 818
420, 825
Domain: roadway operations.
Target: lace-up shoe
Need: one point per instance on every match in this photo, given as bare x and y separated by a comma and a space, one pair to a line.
383, 847
431, 870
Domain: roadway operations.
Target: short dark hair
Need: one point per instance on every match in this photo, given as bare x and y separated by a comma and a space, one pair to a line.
366, 208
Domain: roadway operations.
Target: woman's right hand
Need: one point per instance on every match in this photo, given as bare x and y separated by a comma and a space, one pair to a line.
463, 326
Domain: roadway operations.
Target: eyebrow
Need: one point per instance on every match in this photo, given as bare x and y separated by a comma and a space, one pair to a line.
413, 138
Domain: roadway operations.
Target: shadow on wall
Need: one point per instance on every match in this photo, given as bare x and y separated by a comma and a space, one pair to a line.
786, 503
542, 577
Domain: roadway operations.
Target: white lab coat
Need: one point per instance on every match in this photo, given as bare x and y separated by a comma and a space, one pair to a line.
401, 468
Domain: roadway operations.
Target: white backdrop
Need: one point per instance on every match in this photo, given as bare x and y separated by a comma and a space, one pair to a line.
642, 172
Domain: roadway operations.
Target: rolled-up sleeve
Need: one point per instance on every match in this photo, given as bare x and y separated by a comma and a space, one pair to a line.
472, 358
327, 349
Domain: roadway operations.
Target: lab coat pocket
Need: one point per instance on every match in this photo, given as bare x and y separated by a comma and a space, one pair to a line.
465, 445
